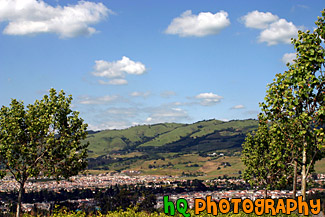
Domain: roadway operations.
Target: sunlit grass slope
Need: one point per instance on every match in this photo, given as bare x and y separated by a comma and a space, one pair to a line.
208, 135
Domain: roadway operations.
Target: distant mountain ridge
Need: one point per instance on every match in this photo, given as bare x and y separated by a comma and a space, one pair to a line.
205, 149
202, 136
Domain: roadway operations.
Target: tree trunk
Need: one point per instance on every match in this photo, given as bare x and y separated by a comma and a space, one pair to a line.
294, 190
265, 193
20, 196
303, 172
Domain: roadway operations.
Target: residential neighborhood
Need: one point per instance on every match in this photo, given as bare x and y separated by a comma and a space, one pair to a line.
103, 181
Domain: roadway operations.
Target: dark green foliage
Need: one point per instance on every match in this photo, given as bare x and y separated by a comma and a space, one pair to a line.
42, 139
293, 114
267, 157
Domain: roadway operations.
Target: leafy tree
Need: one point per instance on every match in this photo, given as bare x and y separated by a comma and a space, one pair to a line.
291, 132
43, 139
264, 152
297, 96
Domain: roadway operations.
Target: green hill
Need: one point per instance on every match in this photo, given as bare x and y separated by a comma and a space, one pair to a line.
169, 148
112, 141
205, 149
171, 137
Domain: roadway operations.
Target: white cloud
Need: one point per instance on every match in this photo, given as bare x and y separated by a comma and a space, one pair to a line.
117, 70
288, 58
28, 17
109, 125
274, 29
108, 69
238, 107
140, 94
259, 20
123, 117
203, 24
122, 112
101, 118
97, 100
208, 99
167, 114
280, 31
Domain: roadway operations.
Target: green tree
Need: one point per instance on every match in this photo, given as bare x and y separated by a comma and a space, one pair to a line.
43, 139
264, 152
297, 96
291, 133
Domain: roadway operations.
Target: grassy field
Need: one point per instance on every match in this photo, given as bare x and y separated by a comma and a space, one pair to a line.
203, 167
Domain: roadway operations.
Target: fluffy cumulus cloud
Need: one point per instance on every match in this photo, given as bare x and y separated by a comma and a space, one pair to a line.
259, 20
288, 58
117, 70
208, 99
280, 31
203, 24
273, 29
238, 107
28, 17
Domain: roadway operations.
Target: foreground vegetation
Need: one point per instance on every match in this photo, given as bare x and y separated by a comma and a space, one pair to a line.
134, 213
290, 136
41, 139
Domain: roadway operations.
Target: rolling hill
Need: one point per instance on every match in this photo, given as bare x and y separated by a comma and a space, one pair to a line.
204, 136
205, 149
171, 148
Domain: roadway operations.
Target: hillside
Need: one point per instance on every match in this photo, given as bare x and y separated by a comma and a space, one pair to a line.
171, 137
170, 148
205, 149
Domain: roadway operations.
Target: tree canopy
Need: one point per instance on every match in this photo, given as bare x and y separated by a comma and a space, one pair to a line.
264, 153
42, 139
294, 102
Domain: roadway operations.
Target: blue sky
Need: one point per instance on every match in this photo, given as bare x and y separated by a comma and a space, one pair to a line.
130, 62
